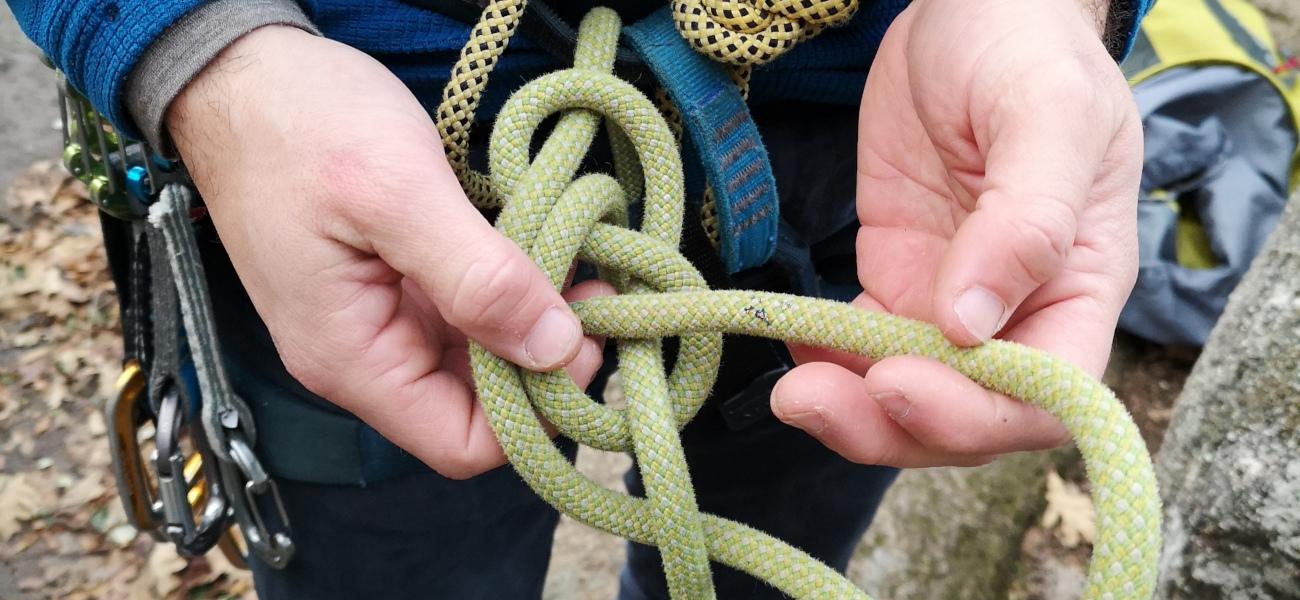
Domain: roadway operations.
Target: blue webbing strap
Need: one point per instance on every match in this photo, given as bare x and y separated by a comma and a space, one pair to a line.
724, 137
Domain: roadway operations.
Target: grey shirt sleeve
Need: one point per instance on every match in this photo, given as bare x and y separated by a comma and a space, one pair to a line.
172, 60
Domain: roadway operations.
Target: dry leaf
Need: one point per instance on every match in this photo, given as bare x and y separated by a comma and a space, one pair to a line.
18, 502
95, 424
164, 568
57, 394
238, 579
82, 493
1069, 512
121, 536
24, 542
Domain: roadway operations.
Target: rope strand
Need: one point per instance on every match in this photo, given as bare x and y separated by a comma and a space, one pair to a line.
556, 219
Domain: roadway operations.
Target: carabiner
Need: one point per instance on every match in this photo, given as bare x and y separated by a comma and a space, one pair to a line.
127, 413
193, 529
272, 544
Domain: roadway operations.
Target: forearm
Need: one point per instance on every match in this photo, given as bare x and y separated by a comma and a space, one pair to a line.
185, 48
95, 43
124, 57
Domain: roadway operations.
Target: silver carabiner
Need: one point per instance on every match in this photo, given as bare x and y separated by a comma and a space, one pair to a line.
272, 544
193, 534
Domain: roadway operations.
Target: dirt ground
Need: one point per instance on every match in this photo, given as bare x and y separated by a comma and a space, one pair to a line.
62, 531
28, 112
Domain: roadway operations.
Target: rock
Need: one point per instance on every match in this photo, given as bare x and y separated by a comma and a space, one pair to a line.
953, 533
1229, 468
1284, 21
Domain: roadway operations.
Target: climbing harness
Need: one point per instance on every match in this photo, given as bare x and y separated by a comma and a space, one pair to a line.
201, 485
556, 219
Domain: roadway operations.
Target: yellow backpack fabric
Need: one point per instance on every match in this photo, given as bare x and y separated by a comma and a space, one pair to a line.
1182, 33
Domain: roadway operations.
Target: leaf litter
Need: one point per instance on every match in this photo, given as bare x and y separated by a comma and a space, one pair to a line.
63, 532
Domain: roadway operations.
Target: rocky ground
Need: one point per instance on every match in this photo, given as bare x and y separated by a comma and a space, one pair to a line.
62, 531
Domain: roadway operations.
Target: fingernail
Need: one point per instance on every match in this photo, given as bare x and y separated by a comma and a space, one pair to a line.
896, 405
552, 338
810, 421
981, 312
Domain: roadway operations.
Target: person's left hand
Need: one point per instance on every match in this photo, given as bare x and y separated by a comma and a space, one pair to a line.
999, 153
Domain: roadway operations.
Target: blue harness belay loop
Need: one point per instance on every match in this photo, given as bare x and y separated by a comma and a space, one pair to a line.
724, 136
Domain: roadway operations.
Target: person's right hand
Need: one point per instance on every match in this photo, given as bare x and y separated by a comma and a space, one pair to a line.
327, 182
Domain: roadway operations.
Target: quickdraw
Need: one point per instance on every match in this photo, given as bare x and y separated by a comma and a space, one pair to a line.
201, 485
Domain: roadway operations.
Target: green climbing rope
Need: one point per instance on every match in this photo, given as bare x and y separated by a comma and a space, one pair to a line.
556, 218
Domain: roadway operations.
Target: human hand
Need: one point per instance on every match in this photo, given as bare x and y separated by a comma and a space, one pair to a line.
327, 182
999, 154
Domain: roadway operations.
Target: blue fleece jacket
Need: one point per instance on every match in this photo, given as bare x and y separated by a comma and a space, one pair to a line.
97, 42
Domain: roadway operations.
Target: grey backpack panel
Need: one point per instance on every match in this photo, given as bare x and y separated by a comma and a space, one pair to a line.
1219, 139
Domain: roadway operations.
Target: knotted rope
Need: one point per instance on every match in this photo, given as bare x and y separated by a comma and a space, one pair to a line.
556, 218
753, 32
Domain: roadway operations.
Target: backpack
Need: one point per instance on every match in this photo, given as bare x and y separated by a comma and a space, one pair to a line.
1220, 107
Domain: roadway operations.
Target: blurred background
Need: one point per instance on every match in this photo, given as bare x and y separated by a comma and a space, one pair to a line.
1020, 527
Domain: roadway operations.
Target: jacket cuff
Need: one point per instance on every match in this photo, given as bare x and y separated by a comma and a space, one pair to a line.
1122, 22
174, 58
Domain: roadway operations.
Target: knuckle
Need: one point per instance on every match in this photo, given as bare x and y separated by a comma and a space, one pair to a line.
361, 183
1073, 84
346, 176
1077, 83
492, 289
1042, 237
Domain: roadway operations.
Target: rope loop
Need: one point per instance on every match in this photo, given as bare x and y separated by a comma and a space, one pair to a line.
754, 32
558, 215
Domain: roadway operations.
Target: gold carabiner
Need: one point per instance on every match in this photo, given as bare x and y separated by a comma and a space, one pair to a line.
126, 414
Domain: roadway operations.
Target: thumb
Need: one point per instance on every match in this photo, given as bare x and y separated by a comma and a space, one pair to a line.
479, 280
1039, 172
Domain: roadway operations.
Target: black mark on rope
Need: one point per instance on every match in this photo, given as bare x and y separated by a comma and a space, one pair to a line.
759, 313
